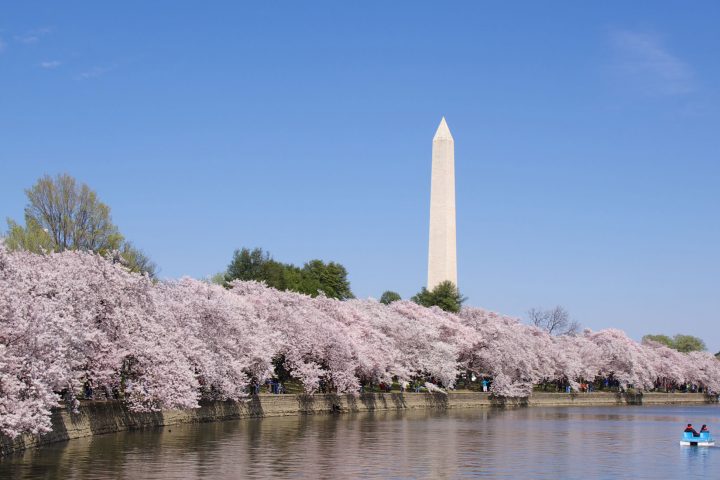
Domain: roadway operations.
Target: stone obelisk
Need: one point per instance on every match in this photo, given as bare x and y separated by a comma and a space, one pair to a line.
442, 255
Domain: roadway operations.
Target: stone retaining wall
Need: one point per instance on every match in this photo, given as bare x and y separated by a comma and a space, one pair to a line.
99, 417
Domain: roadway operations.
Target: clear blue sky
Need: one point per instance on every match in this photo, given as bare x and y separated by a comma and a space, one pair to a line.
587, 141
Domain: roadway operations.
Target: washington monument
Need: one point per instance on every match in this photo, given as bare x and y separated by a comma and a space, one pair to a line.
442, 255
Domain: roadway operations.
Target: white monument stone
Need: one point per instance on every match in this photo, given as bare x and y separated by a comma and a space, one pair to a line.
442, 255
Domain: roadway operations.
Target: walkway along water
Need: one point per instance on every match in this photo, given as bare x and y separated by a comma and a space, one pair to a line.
100, 417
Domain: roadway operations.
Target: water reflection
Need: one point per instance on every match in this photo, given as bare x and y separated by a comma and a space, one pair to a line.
625, 442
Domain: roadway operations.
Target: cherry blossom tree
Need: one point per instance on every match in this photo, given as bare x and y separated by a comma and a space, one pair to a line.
75, 321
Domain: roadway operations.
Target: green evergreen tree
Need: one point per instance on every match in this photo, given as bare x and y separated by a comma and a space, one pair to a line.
256, 265
389, 296
445, 295
314, 278
329, 279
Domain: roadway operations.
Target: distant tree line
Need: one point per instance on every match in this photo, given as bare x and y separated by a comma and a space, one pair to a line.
316, 277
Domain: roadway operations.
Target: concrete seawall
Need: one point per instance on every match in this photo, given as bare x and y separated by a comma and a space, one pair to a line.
99, 417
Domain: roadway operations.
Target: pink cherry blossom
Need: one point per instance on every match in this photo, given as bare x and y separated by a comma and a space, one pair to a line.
73, 320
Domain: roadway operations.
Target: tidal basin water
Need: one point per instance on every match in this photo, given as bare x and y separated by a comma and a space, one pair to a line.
582, 443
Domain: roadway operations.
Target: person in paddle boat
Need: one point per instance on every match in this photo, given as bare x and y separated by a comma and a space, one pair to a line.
693, 438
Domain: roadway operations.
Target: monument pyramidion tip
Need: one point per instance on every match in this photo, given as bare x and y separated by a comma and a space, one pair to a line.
443, 131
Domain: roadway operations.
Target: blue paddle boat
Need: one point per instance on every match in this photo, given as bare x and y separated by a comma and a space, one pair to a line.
703, 440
